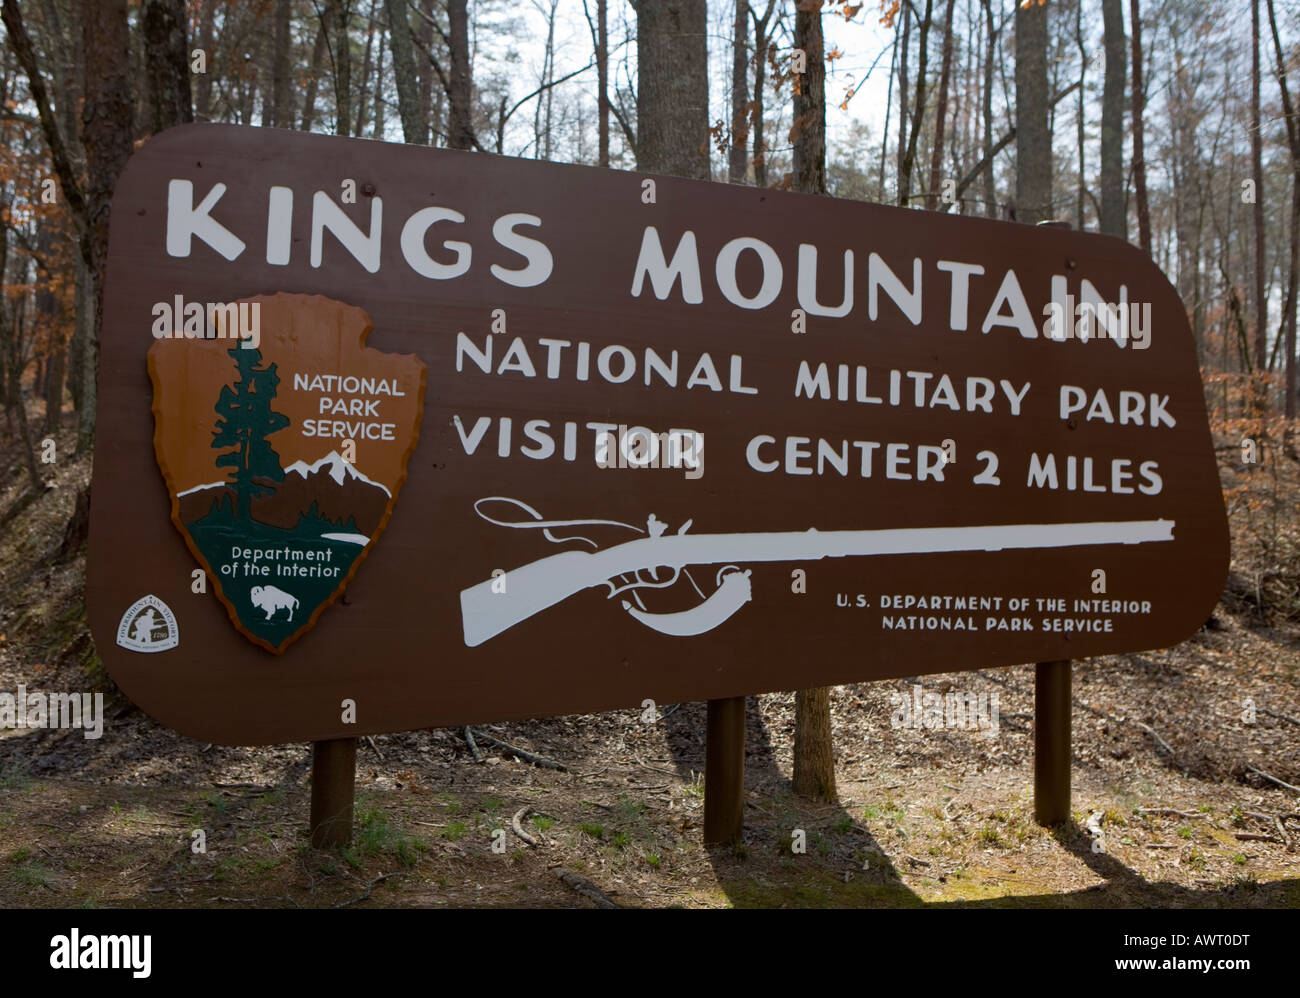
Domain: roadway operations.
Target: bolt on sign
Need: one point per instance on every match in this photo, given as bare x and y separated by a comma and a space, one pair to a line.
460, 438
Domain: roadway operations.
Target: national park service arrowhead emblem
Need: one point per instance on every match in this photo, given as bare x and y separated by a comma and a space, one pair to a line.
284, 441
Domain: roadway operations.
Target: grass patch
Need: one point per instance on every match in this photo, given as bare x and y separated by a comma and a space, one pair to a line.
377, 835
33, 875
988, 836
454, 831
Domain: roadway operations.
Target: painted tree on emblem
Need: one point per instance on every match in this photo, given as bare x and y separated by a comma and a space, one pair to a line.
247, 419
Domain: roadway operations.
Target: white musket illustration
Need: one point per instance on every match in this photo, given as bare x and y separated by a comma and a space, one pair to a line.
488, 609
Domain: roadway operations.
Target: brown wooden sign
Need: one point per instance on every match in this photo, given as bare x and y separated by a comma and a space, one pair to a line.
624, 438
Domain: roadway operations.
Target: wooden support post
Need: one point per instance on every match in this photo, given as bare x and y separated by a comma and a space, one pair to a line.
1052, 742
724, 772
333, 781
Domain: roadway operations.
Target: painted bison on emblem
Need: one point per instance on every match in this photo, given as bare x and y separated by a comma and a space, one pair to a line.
271, 600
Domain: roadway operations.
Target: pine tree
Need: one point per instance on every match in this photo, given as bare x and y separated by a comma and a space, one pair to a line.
247, 419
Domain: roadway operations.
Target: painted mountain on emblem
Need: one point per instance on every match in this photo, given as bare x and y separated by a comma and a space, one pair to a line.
338, 489
284, 454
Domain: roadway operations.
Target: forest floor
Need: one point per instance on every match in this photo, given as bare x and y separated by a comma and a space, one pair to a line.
1166, 772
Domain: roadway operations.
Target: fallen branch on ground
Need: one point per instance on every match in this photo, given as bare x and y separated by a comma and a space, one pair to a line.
586, 888
522, 754
1152, 732
1171, 810
1284, 717
516, 825
1272, 779
366, 896
473, 746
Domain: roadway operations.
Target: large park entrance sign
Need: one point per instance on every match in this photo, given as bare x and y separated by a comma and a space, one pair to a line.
459, 438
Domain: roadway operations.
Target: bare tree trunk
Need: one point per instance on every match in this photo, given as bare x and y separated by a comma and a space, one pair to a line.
808, 114
83, 313
602, 81
1081, 190
1293, 276
408, 89
941, 112
425, 38
672, 100
378, 130
814, 757
761, 42
460, 129
738, 158
281, 95
1114, 221
990, 191
317, 59
106, 134
903, 100
542, 111
889, 106
1139, 148
167, 61
11, 356
47, 314
1033, 134
337, 15
203, 83
363, 91
1257, 172
918, 107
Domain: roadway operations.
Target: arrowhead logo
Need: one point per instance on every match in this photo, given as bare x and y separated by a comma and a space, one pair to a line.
284, 444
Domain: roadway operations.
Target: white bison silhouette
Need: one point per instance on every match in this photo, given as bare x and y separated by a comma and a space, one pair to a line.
271, 599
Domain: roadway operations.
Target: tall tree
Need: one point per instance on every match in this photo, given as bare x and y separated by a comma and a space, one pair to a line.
814, 756
918, 107
738, 158
600, 48
167, 61
13, 355
1033, 133
1080, 130
203, 84
990, 59
427, 74
941, 111
902, 98
460, 96
281, 78
672, 98
337, 15
762, 41
408, 87
106, 135
1114, 217
602, 80
363, 103
313, 75
1293, 275
1257, 172
1138, 104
